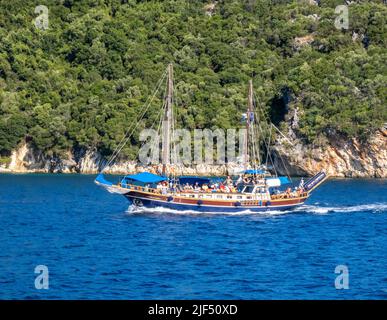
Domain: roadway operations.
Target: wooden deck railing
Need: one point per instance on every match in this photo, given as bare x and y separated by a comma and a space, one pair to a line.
283, 195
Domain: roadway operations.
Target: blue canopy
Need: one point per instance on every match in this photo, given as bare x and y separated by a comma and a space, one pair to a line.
283, 180
146, 177
101, 179
251, 171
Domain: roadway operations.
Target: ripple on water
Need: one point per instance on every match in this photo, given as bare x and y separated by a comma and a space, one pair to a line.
95, 247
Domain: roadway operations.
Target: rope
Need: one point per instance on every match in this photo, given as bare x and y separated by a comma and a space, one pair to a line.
131, 129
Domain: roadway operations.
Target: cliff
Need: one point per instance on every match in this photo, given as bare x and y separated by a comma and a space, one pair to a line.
339, 158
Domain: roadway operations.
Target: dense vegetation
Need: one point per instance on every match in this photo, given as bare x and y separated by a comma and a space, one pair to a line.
81, 82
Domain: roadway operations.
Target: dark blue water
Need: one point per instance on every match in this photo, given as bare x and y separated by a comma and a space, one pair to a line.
95, 249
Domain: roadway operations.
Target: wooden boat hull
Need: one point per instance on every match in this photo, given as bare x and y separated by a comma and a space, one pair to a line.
177, 203
212, 202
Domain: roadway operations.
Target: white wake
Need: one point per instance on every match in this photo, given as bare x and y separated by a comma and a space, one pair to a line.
372, 207
314, 209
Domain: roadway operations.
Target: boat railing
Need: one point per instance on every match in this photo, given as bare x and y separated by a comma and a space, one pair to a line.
160, 191
291, 195
138, 188
283, 195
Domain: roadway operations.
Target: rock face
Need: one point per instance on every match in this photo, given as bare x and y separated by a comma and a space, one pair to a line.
339, 158
26, 159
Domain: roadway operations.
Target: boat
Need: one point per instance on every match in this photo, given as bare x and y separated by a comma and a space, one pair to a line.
256, 189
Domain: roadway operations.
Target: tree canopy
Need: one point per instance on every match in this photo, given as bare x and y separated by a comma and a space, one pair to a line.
81, 82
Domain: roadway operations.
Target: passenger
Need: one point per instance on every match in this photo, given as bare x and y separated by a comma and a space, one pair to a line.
197, 187
302, 183
288, 191
164, 189
228, 181
240, 180
205, 188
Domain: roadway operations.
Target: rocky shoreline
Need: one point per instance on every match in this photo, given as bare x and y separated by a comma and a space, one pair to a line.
339, 158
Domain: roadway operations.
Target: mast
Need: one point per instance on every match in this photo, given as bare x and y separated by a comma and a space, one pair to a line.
250, 106
166, 129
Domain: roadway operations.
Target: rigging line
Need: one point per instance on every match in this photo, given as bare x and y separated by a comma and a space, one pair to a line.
159, 116
147, 104
127, 137
123, 141
267, 149
282, 160
268, 152
254, 155
279, 131
130, 128
260, 127
264, 113
256, 145
283, 164
269, 156
173, 125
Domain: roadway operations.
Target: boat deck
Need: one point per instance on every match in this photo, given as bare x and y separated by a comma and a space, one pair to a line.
243, 198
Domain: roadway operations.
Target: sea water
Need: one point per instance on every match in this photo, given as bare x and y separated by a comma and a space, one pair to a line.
63, 237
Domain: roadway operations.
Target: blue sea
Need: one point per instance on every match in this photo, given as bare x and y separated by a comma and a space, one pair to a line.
94, 246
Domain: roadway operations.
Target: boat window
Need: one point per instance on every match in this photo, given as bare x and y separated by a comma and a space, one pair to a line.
239, 197
229, 197
219, 196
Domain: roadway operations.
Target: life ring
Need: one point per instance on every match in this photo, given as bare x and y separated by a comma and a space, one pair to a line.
237, 204
200, 202
268, 203
170, 198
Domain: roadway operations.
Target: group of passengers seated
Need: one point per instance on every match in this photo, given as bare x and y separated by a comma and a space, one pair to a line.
206, 188
249, 180
227, 186
289, 193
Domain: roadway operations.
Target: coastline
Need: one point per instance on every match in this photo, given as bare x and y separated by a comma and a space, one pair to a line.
91, 173
340, 158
